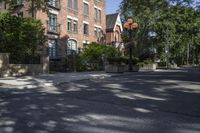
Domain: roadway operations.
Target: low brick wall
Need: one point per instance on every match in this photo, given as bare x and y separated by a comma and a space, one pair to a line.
7, 69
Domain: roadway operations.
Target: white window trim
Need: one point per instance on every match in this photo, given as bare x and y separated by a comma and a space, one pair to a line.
69, 17
98, 8
85, 22
75, 18
73, 39
53, 12
86, 41
86, 2
98, 26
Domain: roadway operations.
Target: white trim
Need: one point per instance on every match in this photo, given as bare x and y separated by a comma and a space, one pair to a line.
70, 17
97, 8
118, 23
75, 18
73, 39
97, 26
54, 11
84, 41
84, 1
85, 22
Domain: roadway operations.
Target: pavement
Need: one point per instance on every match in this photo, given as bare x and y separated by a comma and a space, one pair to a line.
165, 101
46, 80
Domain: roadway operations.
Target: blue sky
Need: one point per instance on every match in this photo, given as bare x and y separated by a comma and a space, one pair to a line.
112, 6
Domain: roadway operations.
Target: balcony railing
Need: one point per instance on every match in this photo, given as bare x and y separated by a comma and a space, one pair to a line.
53, 28
54, 4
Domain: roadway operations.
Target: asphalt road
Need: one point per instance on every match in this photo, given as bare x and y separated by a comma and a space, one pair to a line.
154, 102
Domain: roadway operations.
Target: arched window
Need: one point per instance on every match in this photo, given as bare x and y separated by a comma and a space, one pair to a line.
52, 48
72, 46
117, 36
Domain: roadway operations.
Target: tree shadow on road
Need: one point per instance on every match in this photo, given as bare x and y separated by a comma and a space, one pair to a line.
151, 102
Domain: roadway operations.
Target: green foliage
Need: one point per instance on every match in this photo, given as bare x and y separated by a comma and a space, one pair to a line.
93, 57
177, 17
81, 64
122, 60
95, 52
145, 62
33, 6
20, 37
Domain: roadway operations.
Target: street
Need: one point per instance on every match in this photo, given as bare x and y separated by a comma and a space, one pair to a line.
143, 102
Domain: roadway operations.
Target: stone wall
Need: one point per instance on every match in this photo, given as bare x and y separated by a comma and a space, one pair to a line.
7, 69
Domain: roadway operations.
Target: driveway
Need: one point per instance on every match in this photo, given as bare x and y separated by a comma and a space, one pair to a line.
154, 102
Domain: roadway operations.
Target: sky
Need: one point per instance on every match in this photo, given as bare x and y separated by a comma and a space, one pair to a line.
112, 6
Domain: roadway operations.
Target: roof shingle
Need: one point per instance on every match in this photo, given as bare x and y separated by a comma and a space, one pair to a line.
110, 21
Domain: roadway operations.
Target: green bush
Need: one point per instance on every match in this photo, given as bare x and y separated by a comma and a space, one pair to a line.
81, 64
93, 57
146, 62
95, 52
21, 37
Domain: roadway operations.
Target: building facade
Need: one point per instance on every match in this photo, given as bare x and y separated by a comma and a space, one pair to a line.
114, 30
70, 24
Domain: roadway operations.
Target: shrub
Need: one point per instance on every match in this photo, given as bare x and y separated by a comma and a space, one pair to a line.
95, 54
21, 37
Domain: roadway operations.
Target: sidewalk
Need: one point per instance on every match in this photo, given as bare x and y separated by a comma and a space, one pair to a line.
49, 80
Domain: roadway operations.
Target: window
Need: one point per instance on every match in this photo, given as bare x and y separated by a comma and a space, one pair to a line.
95, 32
20, 14
97, 14
75, 26
72, 46
54, 3
85, 9
99, 33
69, 4
69, 25
53, 22
117, 36
52, 48
20, 2
85, 29
76, 5
73, 4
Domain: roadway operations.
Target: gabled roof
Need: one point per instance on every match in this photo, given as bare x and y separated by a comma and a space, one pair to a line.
111, 20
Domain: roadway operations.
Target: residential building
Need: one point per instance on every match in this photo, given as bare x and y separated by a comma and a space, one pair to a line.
70, 24
114, 30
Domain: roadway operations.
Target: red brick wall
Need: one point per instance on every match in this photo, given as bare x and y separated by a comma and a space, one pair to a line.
110, 36
62, 19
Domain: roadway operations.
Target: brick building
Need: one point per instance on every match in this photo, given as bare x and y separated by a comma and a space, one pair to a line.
114, 30
70, 24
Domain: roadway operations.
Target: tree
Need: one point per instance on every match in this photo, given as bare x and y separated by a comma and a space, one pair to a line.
146, 13
34, 5
21, 37
174, 21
